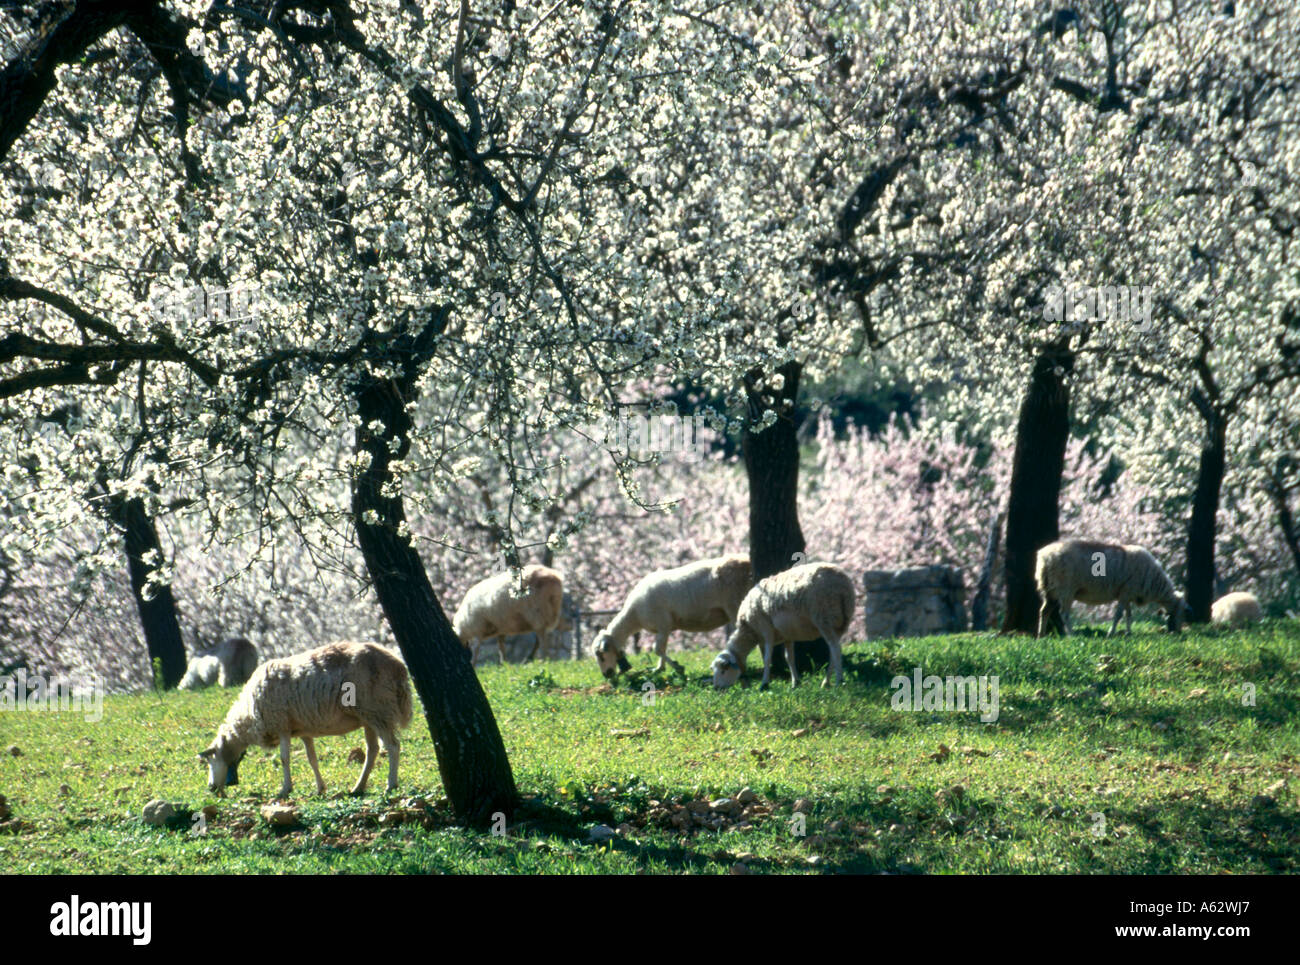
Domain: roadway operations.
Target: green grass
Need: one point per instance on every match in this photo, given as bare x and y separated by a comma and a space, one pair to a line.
1156, 740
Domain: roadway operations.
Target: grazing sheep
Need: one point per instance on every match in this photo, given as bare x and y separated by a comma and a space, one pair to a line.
1095, 572
331, 690
694, 598
228, 664
802, 603
491, 609
1237, 610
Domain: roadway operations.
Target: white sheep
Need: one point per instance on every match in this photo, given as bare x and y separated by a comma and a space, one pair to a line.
228, 664
802, 603
492, 609
1237, 610
1094, 572
694, 598
331, 690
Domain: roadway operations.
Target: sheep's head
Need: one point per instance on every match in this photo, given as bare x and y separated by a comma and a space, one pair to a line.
608, 657
726, 670
223, 765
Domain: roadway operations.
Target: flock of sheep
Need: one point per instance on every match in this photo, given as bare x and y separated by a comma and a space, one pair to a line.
340, 687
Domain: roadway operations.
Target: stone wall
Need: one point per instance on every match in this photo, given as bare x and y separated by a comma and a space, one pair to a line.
914, 602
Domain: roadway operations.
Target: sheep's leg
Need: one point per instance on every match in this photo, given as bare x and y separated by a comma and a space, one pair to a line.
473, 652
287, 785
372, 754
767, 665
1064, 610
309, 746
794, 664
1043, 618
394, 748
1119, 611
836, 662
501, 647
1128, 611
661, 648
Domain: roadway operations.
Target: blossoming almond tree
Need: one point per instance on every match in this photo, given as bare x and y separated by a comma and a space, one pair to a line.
1096, 124
429, 203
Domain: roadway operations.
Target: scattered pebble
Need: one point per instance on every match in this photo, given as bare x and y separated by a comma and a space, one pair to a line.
601, 833
157, 812
282, 815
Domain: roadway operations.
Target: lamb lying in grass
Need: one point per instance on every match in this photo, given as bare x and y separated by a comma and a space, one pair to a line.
331, 690
695, 598
1095, 572
1237, 610
491, 609
802, 603
228, 664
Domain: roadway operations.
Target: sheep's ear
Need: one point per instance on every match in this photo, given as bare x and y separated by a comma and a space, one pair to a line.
206, 755
623, 665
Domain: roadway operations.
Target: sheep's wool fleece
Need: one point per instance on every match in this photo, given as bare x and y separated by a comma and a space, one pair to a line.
810, 588
1237, 609
1065, 570
490, 607
305, 695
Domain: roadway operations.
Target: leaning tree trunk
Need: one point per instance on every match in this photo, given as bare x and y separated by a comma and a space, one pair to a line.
776, 540
471, 755
1205, 510
156, 604
1033, 519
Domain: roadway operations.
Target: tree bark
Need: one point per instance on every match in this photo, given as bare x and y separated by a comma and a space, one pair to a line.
472, 758
1285, 519
158, 618
1201, 530
776, 540
1033, 517
979, 606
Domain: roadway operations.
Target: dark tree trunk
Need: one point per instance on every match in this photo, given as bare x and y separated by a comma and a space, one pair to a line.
162, 628
1205, 510
472, 758
776, 541
979, 606
1285, 519
772, 467
1033, 519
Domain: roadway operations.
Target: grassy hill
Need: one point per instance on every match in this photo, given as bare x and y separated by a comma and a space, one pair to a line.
1129, 755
